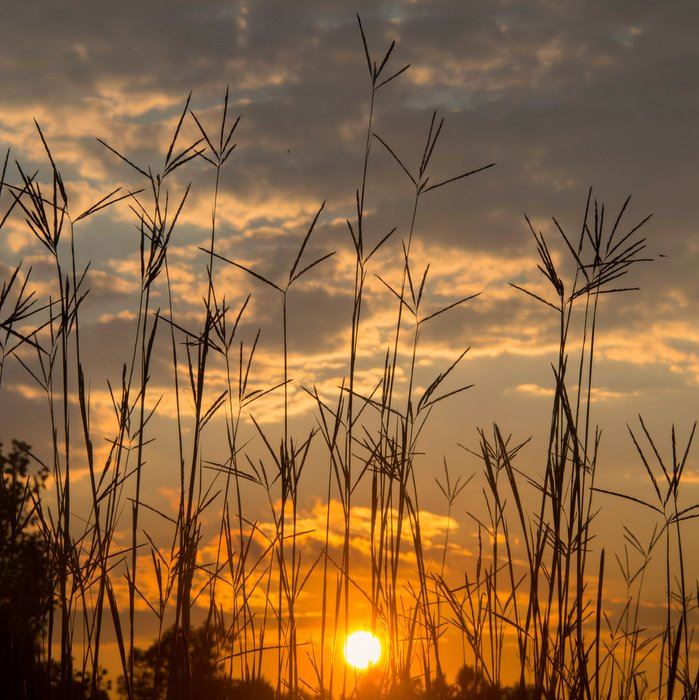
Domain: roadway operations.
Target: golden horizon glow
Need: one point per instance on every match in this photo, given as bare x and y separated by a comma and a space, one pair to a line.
362, 649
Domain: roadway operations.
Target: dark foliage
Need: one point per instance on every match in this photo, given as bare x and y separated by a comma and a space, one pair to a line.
156, 677
25, 583
26, 587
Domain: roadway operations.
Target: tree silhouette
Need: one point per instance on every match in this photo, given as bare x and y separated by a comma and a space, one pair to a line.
25, 580
26, 586
153, 677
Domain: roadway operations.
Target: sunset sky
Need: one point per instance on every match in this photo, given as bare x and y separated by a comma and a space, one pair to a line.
561, 96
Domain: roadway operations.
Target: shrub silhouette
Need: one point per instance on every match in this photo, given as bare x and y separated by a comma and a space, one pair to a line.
155, 675
25, 582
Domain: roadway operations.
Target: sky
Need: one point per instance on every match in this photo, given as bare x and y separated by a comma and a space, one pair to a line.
562, 96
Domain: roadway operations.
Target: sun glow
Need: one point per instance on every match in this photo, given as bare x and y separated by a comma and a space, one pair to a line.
362, 649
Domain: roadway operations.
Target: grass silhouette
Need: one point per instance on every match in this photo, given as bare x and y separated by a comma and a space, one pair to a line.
538, 576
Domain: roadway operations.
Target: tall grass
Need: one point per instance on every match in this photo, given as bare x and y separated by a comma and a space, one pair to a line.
538, 578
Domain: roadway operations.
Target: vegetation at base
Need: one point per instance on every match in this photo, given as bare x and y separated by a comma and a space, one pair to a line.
26, 586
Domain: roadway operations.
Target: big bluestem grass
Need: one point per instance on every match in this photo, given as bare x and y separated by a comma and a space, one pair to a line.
538, 576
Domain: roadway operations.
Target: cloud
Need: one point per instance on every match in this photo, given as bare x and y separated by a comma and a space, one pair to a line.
597, 393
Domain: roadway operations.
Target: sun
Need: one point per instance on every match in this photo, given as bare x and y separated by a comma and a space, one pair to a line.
362, 649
